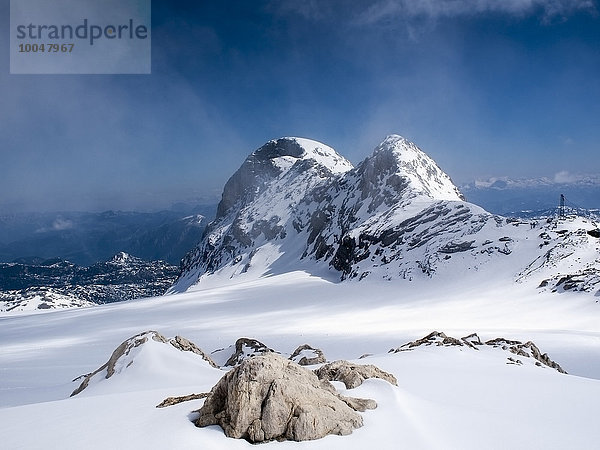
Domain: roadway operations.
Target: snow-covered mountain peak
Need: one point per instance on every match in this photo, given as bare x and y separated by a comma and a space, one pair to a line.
323, 154
396, 215
122, 257
296, 201
274, 160
284, 152
410, 168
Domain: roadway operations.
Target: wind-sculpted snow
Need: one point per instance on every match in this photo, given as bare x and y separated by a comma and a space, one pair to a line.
126, 354
297, 205
469, 397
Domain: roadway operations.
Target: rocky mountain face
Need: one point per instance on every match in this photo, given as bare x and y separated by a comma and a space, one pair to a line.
259, 202
61, 284
296, 204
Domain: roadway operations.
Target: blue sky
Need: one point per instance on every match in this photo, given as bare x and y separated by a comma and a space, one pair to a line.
487, 88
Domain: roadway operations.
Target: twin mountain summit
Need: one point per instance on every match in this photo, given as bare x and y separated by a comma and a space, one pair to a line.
296, 204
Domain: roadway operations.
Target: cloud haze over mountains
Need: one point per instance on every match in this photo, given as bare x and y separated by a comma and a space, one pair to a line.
489, 88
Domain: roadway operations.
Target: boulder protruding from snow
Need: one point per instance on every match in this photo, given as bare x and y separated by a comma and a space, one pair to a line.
268, 397
246, 348
305, 355
352, 375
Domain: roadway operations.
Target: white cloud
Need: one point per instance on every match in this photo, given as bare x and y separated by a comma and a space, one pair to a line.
59, 224
565, 177
378, 11
435, 9
62, 224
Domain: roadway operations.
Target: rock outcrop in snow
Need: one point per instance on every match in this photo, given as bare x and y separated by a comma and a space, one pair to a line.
526, 350
305, 355
243, 349
352, 375
124, 356
269, 397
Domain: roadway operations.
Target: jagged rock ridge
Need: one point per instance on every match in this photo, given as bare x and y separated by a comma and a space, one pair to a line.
472, 341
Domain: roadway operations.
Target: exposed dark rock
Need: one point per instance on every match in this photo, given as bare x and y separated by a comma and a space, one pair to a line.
344, 256
527, 350
305, 355
502, 342
586, 280
246, 348
170, 401
352, 375
472, 340
439, 339
455, 247
434, 338
594, 233
184, 345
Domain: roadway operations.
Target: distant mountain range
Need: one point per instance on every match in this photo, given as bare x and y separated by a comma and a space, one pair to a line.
85, 238
296, 204
56, 283
510, 196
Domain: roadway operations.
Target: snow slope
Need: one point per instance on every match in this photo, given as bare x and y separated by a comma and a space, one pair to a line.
294, 220
447, 397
